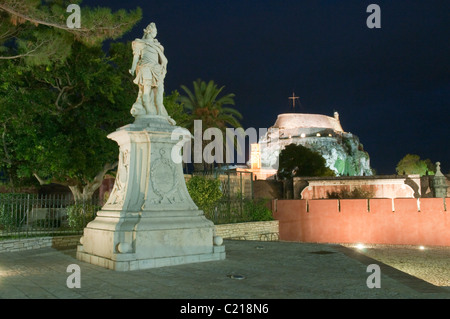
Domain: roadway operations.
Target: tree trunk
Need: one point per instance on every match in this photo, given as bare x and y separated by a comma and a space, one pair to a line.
82, 193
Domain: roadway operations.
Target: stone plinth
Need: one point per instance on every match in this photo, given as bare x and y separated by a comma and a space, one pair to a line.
439, 182
150, 219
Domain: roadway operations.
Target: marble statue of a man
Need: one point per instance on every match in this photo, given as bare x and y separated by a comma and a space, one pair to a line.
150, 66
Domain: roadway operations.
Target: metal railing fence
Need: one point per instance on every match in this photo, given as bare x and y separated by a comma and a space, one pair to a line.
234, 184
237, 203
31, 215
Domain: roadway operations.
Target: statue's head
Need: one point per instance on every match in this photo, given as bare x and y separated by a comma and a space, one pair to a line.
150, 30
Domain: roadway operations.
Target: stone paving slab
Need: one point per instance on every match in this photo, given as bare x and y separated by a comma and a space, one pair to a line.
269, 270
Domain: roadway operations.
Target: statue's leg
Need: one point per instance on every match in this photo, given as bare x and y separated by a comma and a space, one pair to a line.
148, 100
160, 100
138, 108
139, 97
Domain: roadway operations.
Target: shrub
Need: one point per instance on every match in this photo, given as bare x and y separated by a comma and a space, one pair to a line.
79, 215
257, 210
47, 223
8, 221
12, 216
204, 191
356, 193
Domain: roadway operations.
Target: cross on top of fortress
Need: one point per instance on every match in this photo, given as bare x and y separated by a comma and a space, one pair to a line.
293, 98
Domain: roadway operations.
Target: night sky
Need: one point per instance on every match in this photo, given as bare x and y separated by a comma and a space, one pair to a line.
391, 86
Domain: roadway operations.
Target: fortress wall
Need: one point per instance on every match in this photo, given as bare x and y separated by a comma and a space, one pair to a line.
379, 191
400, 221
316, 188
298, 120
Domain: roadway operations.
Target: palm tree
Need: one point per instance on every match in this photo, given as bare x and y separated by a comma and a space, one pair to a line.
205, 104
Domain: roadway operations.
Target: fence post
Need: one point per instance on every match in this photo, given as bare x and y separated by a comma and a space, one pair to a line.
251, 185
27, 212
241, 186
51, 205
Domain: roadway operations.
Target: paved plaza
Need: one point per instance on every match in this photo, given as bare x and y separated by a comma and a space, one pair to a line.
252, 270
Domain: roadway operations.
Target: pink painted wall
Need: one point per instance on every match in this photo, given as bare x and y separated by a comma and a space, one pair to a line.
374, 221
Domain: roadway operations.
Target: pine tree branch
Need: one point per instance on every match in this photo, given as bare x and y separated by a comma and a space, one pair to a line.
74, 106
29, 53
8, 34
61, 92
64, 27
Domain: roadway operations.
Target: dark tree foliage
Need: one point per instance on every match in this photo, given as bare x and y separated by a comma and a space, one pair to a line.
297, 160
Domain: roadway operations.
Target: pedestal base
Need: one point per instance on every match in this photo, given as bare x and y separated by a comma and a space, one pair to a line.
125, 262
141, 240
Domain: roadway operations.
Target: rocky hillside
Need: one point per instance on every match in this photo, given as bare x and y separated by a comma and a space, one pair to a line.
344, 153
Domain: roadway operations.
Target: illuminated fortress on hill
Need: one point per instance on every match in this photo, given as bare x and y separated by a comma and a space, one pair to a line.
342, 151
302, 123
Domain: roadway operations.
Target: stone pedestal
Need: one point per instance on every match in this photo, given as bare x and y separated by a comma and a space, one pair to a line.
150, 219
439, 183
